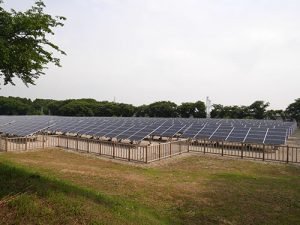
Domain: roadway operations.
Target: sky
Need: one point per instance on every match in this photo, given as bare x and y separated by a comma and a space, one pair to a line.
142, 51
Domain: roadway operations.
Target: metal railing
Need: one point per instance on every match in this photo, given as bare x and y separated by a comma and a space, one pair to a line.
155, 151
282, 153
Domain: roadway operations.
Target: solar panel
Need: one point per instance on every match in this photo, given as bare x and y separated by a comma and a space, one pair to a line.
234, 130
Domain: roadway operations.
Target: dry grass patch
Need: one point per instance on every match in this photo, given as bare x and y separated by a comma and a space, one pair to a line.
193, 189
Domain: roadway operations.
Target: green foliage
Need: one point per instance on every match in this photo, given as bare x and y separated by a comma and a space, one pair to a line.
162, 109
234, 112
91, 107
24, 47
14, 106
275, 114
76, 108
141, 111
293, 111
190, 109
258, 109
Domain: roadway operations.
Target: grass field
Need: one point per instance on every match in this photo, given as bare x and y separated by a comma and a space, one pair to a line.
59, 187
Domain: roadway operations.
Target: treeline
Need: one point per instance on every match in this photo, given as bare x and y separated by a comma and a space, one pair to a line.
91, 107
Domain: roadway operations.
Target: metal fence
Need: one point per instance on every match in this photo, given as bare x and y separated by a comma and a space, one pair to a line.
165, 150
104, 148
155, 151
283, 153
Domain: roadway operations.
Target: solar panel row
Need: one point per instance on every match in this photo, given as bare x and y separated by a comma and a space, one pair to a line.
136, 129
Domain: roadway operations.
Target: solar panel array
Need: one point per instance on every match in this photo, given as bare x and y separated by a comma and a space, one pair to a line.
136, 129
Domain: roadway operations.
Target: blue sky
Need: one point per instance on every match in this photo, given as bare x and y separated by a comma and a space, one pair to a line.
141, 51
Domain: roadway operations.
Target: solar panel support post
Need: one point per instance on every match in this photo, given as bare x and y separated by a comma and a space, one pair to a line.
264, 152
287, 154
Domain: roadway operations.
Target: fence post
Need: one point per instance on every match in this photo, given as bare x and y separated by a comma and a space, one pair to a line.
170, 149
100, 150
287, 154
58, 140
77, 140
6, 144
114, 150
222, 148
67, 142
129, 153
26, 147
188, 146
146, 154
179, 147
43, 141
242, 151
204, 146
88, 146
264, 152
159, 150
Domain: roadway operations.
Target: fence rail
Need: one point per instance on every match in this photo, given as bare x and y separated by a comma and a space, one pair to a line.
154, 151
283, 153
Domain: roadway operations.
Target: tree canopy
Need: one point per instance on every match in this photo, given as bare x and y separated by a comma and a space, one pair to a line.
293, 111
25, 49
91, 107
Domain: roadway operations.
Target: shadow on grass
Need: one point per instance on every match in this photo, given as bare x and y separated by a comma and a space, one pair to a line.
39, 191
14, 180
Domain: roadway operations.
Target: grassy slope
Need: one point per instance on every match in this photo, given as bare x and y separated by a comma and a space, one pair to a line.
65, 188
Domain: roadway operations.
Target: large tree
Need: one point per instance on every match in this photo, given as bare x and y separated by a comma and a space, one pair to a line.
190, 109
25, 50
258, 109
162, 109
293, 111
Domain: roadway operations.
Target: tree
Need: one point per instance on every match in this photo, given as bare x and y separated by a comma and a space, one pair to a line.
186, 109
217, 111
41, 106
141, 111
162, 109
15, 106
293, 111
76, 108
24, 47
275, 114
258, 109
200, 110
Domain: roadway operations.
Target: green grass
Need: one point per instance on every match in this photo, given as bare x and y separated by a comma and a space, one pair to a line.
47, 200
57, 187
